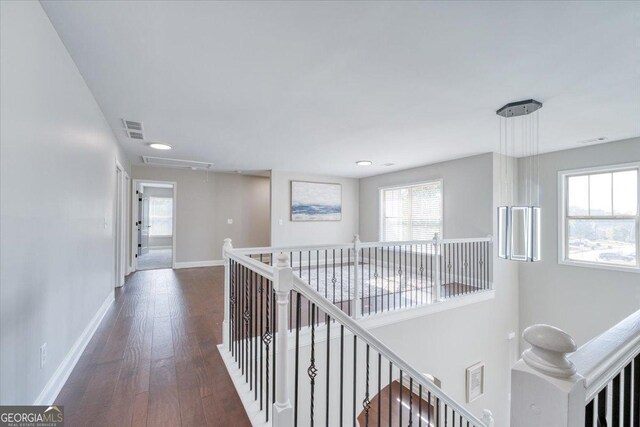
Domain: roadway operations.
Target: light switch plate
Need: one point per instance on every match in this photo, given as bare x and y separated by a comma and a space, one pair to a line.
229, 221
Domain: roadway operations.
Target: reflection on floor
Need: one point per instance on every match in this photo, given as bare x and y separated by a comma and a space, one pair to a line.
155, 258
154, 361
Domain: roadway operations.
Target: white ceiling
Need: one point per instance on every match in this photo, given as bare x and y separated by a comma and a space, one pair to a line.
314, 87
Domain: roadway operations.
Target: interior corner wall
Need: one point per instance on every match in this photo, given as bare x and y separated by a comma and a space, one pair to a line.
582, 301
205, 201
467, 196
311, 232
474, 333
57, 190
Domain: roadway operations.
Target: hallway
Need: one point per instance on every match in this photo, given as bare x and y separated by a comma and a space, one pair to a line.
153, 361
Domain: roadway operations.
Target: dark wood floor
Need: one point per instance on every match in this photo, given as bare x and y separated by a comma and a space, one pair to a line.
153, 361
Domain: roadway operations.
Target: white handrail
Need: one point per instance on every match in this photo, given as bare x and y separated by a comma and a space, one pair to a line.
329, 246
342, 318
602, 358
261, 268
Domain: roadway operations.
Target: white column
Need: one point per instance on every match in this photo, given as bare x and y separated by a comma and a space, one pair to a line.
545, 388
227, 289
356, 307
282, 284
437, 285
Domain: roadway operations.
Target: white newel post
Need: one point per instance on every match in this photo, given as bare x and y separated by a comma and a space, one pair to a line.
227, 289
487, 418
282, 283
356, 308
437, 276
545, 388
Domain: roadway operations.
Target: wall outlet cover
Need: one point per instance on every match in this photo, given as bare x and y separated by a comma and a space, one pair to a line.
43, 355
229, 221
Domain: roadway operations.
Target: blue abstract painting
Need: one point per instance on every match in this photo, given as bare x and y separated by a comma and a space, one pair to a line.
316, 201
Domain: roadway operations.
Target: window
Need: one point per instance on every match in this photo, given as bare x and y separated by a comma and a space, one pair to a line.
412, 212
600, 217
161, 216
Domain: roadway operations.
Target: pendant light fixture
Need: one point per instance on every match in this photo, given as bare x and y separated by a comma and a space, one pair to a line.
519, 220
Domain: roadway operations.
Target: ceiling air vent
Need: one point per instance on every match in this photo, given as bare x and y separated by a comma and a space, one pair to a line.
175, 163
135, 134
132, 125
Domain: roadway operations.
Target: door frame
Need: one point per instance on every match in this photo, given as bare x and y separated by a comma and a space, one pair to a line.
134, 219
120, 226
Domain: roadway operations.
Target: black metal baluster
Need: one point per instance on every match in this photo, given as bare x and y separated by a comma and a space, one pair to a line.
602, 407
255, 339
588, 414
261, 334
400, 401
627, 396
366, 403
349, 281
395, 272
333, 277
328, 370
355, 364
615, 402
446, 416
369, 282
267, 340
296, 362
420, 405
410, 400
250, 329
428, 409
636, 391
341, 371
375, 255
379, 386
341, 279
390, 386
312, 370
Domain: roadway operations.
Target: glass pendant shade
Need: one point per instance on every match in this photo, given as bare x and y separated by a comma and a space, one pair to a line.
519, 233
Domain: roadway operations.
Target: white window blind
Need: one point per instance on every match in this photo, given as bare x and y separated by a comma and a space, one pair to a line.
413, 212
161, 216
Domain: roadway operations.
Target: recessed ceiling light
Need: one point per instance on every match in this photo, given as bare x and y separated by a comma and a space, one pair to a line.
158, 146
364, 163
592, 140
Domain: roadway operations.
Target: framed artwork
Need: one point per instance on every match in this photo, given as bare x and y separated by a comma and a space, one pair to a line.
316, 201
475, 382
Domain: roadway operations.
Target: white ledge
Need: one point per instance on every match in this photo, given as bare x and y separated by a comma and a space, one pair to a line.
602, 358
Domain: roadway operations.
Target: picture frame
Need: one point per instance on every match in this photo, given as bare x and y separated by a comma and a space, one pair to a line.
315, 201
474, 384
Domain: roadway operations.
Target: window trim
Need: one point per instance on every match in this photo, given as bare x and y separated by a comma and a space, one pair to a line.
563, 239
172, 225
405, 185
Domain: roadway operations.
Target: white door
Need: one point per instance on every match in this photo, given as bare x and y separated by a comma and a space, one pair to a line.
144, 226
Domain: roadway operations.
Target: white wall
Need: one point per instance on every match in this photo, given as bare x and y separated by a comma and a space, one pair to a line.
311, 232
57, 202
583, 301
446, 343
467, 196
204, 202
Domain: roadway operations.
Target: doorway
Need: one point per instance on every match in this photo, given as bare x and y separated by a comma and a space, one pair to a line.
120, 226
155, 224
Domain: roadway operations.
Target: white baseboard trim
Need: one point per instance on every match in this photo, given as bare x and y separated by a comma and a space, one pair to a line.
251, 406
161, 247
193, 264
56, 382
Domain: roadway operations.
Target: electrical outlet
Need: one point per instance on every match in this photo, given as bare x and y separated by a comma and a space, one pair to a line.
43, 355
106, 223
280, 221
229, 221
